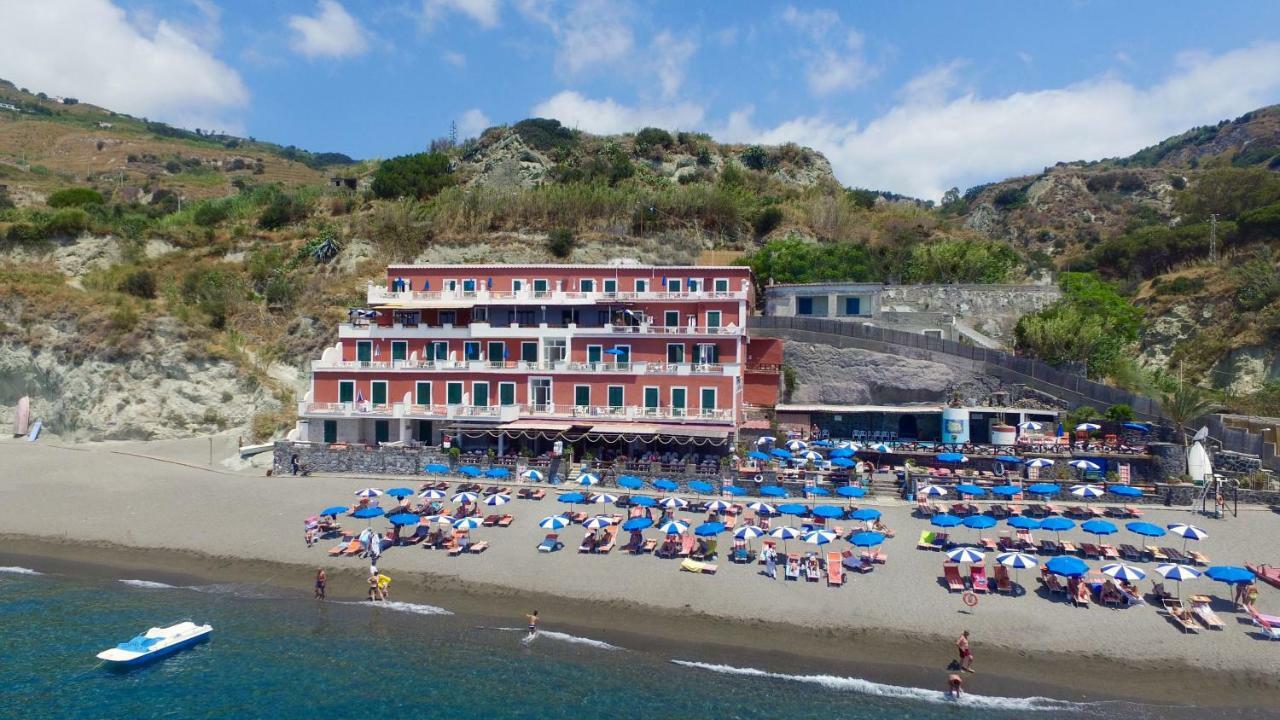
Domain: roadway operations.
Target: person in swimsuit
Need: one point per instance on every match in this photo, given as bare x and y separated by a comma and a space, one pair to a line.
966, 655
321, 581
533, 626
955, 686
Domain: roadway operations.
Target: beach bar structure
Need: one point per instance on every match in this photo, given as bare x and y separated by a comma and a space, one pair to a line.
979, 425
621, 354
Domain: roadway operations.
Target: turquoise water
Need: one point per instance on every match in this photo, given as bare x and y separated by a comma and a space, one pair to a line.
275, 654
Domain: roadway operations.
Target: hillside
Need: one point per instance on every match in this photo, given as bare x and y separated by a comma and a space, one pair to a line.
183, 276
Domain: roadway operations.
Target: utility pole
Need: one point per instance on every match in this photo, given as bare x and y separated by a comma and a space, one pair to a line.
1213, 237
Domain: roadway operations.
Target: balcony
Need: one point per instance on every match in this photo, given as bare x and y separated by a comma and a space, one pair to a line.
514, 367
378, 294
513, 331
508, 413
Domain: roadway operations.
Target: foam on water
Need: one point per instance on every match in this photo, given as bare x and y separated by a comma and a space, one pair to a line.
13, 570
866, 687
148, 584
565, 637
414, 608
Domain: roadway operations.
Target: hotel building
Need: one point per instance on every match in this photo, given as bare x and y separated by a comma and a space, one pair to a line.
619, 356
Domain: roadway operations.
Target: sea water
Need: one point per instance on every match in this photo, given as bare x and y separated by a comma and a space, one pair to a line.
275, 654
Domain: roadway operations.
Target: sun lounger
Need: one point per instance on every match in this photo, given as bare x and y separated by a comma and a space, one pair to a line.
951, 573
1156, 553
417, 537
978, 577
687, 545
988, 543
928, 541
1199, 558
1076, 510
1003, 583
813, 569
479, 547
1090, 550
349, 546
793, 567
694, 566
606, 545
648, 546
1268, 623
505, 520
740, 554
1025, 540
999, 512
1006, 543
1052, 582
1048, 547
457, 544
1068, 547
1132, 511
491, 520
1207, 616
588, 542
1181, 617
1129, 552
835, 569
875, 555
1109, 552
550, 543
1083, 596
1175, 555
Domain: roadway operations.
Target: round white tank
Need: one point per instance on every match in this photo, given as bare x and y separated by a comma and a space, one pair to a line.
1003, 434
955, 426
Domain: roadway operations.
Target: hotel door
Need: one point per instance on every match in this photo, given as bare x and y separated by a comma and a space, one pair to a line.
540, 393
381, 431
364, 351
331, 431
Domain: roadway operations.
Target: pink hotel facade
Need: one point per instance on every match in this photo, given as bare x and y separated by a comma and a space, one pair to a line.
491, 354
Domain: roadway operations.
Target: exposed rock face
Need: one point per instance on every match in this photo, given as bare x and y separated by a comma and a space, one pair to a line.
1245, 370
153, 390
510, 162
850, 376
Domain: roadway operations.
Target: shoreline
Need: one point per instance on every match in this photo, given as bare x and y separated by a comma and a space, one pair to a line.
880, 655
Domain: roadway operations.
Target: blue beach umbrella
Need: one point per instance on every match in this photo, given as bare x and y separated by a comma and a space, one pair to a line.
433, 494
665, 485
966, 555
793, 509
1140, 427
773, 491
535, 475
822, 443
1230, 574
757, 455
851, 491
1120, 571
842, 462
1022, 522
1006, 490
400, 492
497, 472
615, 351
828, 511
1044, 488
637, 523
979, 522
708, 529
1057, 524
673, 527
763, 508
368, 513
1009, 459
843, 453
867, 539
1098, 527
747, 532
951, 457
643, 501
733, 490
1067, 566
1145, 528
335, 510
701, 486
780, 453
865, 514
467, 523
553, 522
967, 489
572, 498
817, 491
404, 519
436, 468
470, 471
630, 482
945, 520
1124, 490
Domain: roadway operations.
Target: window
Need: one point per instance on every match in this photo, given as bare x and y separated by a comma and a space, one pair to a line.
693, 284
675, 352
480, 393
852, 306
330, 431
378, 392
707, 398
381, 431
399, 350
468, 286
524, 318
623, 356
611, 285
364, 351
529, 352
721, 285
615, 396
642, 286
602, 318
707, 353
569, 316
540, 392
517, 285
497, 351
671, 318
471, 350
554, 350
507, 393
540, 287
587, 285
651, 398
582, 395
453, 393
673, 285
595, 353
422, 393
713, 318
346, 391
679, 400
440, 351
448, 317
804, 306
480, 314
451, 285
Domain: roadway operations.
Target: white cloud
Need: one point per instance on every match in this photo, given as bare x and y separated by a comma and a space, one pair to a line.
670, 56
484, 12
934, 140
456, 59
593, 35
832, 54
608, 117
472, 123
331, 32
89, 49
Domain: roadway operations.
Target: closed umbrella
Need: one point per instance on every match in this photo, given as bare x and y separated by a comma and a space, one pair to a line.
965, 555
553, 522
1120, 571
828, 511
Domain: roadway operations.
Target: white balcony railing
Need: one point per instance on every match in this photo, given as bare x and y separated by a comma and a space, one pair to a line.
510, 366
426, 298
507, 413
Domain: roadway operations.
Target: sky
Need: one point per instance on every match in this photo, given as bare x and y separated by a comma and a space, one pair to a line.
910, 97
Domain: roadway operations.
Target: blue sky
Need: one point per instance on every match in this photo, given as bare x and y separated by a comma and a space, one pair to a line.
912, 97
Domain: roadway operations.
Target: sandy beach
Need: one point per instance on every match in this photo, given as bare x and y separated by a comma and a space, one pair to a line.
110, 508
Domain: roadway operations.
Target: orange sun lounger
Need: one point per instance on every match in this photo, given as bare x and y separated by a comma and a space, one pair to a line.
835, 570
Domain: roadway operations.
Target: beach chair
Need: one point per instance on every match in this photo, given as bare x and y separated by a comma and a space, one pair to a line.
813, 568
1156, 554
491, 520
951, 573
1068, 547
942, 540
835, 569
988, 543
1109, 552
1052, 582
477, 548
1200, 558
702, 568
1090, 550
1175, 555
1132, 511
1269, 624
1025, 540
1206, 615
648, 546
457, 544
687, 545
550, 543
928, 541
978, 578
999, 512
793, 567
607, 543
923, 507
417, 537
1181, 616
1006, 543
1159, 593
1129, 552
1076, 510
588, 542
506, 520
350, 545
875, 555
524, 493
1049, 547
1003, 583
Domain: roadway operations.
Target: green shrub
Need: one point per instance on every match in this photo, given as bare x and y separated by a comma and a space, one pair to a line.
767, 221
66, 223
24, 232
1091, 324
75, 197
139, 283
1259, 284
1119, 413
960, 261
210, 213
545, 134
214, 291
413, 176
1009, 198
560, 243
652, 137
284, 210
1180, 285
755, 157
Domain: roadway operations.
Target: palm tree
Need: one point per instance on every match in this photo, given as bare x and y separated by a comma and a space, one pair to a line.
1185, 403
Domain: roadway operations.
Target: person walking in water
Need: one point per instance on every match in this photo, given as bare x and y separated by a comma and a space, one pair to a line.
966, 654
955, 686
533, 628
321, 581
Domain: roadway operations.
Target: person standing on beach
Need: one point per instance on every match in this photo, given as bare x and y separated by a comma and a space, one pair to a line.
771, 562
321, 581
966, 654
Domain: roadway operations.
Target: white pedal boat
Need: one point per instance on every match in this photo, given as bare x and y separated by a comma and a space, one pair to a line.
155, 644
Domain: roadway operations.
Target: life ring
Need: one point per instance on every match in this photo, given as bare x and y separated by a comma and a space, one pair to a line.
759, 478
970, 598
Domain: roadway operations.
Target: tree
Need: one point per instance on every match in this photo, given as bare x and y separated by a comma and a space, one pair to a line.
417, 176
1185, 403
560, 243
75, 197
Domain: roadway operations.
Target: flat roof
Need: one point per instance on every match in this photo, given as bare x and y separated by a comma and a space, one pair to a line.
565, 266
922, 407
